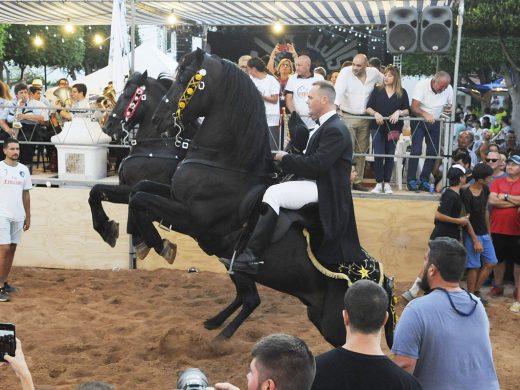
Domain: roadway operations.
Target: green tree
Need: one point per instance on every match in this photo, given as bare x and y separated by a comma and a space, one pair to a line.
96, 53
58, 48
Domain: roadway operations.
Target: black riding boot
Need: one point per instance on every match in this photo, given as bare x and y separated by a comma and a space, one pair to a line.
248, 260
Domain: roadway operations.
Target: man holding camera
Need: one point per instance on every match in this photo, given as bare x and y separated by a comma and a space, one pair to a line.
15, 210
280, 362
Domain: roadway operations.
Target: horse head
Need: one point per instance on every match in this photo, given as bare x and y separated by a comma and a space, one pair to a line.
134, 106
233, 110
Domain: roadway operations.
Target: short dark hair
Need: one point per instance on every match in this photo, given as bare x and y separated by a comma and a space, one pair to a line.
33, 89
81, 88
10, 140
481, 171
375, 62
454, 174
286, 360
19, 87
257, 63
463, 155
449, 256
366, 303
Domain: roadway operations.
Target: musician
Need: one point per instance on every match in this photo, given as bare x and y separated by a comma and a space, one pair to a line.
25, 111
79, 100
324, 170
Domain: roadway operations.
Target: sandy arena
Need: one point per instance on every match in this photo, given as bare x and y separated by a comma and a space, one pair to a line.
138, 329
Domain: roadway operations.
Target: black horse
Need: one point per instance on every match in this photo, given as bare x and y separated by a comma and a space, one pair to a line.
153, 156
225, 170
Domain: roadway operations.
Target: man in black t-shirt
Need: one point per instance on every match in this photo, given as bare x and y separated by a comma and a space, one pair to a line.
360, 363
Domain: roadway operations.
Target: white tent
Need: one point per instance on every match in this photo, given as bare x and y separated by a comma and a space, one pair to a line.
147, 57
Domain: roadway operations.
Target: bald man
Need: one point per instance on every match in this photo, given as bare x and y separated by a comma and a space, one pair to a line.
298, 87
353, 86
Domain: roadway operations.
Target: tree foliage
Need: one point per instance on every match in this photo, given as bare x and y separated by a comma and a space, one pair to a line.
3, 35
59, 49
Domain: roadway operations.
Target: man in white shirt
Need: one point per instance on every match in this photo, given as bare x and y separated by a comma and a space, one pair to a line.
269, 88
429, 99
79, 99
353, 88
298, 87
15, 210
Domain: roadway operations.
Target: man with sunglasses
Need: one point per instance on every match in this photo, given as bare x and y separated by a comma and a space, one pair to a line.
443, 337
505, 226
430, 98
493, 160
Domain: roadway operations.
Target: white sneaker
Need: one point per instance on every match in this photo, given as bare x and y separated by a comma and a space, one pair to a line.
515, 307
388, 189
378, 189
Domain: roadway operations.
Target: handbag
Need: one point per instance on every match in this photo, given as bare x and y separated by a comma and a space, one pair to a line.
393, 135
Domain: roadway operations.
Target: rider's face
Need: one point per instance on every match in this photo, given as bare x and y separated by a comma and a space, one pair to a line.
314, 102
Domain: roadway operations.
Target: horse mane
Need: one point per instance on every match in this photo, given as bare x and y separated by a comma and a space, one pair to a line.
248, 120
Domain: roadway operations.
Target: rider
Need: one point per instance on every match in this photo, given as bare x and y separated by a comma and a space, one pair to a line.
324, 169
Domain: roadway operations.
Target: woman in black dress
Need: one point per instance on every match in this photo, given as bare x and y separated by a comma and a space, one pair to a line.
387, 100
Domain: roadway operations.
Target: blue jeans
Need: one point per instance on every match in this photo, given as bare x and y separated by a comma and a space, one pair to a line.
432, 134
383, 165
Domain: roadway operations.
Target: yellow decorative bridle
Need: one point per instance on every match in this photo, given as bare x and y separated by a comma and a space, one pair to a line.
193, 86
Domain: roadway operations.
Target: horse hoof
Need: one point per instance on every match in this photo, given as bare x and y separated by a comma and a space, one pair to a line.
111, 233
169, 251
141, 250
211, 325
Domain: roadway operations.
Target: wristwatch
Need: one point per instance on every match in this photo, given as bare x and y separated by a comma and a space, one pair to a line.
505, 197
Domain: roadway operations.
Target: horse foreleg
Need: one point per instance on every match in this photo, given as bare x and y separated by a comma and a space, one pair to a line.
248, 294
107, 229
145, 208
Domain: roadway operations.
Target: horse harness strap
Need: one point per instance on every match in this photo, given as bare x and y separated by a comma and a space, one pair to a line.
139, 95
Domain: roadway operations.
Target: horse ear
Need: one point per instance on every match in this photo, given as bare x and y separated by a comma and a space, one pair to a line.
144, 76
200, 54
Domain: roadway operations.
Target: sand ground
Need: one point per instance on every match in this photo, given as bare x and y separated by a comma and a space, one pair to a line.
139, 329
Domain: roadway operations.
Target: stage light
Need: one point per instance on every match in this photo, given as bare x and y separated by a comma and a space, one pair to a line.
172, 18
277, 27
69, 28
38, 41
98, 39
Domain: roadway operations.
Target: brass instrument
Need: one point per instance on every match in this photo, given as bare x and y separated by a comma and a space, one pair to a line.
63, 95
109, 101
17, 125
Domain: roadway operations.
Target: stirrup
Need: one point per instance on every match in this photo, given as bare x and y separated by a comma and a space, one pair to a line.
248, 268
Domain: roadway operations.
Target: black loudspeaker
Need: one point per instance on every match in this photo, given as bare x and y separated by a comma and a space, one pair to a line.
402, 28
436, 29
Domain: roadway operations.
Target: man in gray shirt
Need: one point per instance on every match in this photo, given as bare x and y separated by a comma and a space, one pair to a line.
443, 337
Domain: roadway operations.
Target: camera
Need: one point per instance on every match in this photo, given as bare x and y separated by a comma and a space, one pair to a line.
193, 379
7, 340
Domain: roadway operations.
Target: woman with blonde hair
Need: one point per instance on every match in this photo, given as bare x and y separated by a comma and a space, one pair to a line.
388, 100
5, 94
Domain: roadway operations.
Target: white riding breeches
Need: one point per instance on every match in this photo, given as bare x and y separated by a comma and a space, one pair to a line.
292, 195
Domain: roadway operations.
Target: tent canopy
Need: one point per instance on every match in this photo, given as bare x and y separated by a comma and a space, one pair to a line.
147, 57
208, 12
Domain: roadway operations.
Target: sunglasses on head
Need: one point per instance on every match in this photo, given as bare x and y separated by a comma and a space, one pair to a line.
491, 159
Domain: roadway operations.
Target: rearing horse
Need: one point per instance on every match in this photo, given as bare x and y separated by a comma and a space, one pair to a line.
153, 156
225, 169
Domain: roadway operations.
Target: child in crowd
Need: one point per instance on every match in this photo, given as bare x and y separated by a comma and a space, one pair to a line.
448, 219
477, 239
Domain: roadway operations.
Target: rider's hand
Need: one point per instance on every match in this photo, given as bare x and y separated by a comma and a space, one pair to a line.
279, 155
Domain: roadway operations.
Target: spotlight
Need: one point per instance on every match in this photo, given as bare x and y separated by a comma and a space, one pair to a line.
69, 28
172, 19
38, 41
98, 39
277, 27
